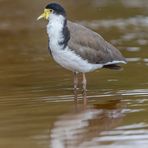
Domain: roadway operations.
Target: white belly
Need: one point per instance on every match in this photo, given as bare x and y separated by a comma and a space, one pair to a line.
69, 60
66, 57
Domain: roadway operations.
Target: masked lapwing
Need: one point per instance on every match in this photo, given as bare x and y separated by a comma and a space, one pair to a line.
76, 47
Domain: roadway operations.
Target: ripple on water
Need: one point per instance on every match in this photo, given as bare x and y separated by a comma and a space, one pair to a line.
36, 103
98, 126
120, 23
128, 134
133, 49
135, 92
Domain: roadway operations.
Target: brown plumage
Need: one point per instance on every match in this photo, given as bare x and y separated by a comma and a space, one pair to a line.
76, 47
92, 47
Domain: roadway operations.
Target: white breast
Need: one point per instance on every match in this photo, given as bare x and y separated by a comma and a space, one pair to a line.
54, 31
65, 57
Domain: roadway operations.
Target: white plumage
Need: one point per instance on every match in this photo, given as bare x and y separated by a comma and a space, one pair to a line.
67, 58
77, 48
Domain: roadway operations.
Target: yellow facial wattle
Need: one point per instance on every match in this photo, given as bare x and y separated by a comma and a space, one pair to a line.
45, 15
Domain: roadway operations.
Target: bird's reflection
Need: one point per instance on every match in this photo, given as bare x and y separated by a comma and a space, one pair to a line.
82, 126
84, 96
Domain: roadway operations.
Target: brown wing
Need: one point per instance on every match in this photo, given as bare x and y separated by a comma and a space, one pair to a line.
91, 46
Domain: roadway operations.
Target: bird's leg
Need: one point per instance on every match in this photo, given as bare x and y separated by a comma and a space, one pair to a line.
75, 85
84, 82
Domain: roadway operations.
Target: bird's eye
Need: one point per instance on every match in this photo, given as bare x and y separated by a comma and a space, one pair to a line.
50, 10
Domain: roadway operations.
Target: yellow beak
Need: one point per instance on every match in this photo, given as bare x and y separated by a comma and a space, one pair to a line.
44, 15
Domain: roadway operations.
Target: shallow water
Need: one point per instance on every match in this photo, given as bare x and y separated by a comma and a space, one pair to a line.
36, 101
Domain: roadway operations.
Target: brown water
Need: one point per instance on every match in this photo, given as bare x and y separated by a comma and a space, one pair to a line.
36, 100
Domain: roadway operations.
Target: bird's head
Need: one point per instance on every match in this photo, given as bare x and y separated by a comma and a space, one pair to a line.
52, 9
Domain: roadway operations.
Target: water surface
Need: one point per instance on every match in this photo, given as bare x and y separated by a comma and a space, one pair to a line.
36, 100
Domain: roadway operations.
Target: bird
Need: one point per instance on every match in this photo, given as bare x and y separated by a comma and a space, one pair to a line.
76, 47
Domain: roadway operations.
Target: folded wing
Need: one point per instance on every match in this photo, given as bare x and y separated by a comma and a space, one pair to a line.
92, 47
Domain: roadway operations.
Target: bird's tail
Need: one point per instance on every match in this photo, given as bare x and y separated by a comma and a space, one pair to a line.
113, 66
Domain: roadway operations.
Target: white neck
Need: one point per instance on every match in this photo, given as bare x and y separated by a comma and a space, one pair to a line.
54, 30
